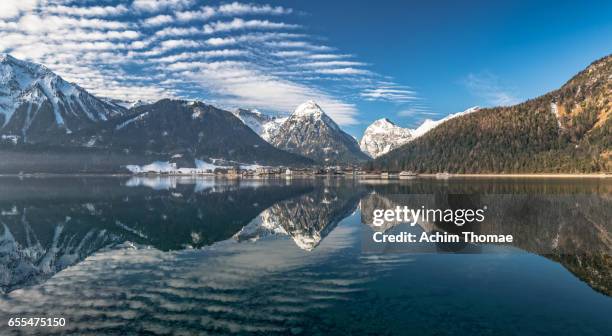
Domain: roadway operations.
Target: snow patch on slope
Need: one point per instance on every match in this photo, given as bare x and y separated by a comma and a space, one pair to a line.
429, 124
555, 110
264, 125
132, 120
382, 136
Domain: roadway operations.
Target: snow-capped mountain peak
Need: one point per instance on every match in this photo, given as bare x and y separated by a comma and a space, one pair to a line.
382, 125
34, 101
382, 136
309, 108
312, 133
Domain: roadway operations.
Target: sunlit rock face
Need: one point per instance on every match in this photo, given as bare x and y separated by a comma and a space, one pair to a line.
264, 125
310, 132
383, 136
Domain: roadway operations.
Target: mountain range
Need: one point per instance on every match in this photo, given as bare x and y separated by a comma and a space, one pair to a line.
567, 130
178, 128
36, 104
312, 133
308, 131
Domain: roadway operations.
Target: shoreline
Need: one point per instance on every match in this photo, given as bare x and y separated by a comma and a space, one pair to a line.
359, 177
528, 175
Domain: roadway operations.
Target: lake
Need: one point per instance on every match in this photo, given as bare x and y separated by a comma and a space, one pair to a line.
191, 256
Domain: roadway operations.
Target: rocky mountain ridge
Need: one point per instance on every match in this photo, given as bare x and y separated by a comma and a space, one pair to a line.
36, 104
310, 132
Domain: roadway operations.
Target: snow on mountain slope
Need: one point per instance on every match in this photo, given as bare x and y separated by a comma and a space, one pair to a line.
382, 136
31, 262
429, 124
264, 125
34, 101
126, 104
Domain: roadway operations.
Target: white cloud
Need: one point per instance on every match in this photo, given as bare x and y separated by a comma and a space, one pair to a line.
386, 92
344, 71
88, 11
416, 111
35, 23
328, 56
12, 8
175, 44
202, 14
219, 53
248, 38
159, 53
327, 64
153, 6
232, 9
487, 86
221, 41
290, 53
238, 83
238, 24
158, 20
236, 8
176, 31
137, 45
297, 44
84, 35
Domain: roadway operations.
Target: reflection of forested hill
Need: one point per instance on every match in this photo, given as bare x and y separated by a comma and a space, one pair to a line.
574, 230
47, 228
492, 186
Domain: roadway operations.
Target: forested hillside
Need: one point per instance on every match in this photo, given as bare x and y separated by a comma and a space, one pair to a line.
568, 130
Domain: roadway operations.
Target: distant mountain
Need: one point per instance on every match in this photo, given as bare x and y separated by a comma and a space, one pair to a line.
382, 136
189, 129
567, 130
127, 104
262, 124
36, 104
311, 133
430, 124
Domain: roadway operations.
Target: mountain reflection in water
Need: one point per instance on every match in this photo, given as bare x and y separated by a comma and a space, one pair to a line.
171, 255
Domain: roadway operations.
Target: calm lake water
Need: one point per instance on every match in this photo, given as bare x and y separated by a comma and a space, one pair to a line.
176, 256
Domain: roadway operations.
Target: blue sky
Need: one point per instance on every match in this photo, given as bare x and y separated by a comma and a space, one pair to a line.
361, 60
